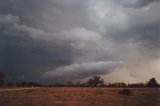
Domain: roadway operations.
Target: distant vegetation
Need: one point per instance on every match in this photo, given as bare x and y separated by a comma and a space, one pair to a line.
95, 81
2, 79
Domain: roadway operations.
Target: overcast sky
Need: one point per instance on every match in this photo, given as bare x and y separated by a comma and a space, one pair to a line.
63, 40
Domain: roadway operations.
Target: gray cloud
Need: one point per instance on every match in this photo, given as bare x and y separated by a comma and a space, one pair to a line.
50, 15
140, 25
147, 36
137, 3
26, 52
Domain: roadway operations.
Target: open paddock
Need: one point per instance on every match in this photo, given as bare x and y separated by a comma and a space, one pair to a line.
72, 96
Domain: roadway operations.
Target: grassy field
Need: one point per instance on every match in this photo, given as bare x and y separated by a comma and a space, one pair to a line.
79, 97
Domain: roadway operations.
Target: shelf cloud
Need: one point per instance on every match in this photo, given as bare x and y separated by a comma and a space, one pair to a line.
83, 70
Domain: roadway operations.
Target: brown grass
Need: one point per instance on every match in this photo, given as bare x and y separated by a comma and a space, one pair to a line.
80, 97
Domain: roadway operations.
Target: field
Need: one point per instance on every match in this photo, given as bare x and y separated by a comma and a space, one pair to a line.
79, 97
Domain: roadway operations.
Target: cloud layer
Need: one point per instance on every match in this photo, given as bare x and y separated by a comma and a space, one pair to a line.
72, 39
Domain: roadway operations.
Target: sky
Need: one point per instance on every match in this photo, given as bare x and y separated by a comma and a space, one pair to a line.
70, 40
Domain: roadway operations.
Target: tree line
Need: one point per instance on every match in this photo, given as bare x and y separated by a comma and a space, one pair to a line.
95, 81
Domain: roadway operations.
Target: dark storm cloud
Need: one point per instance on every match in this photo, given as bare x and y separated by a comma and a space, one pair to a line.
146, 35
22, 54
138, 25
46, 36
27, 53
49, 15
137, 3
28, 10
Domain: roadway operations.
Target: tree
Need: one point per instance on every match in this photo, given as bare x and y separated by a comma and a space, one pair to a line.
70, 84
78, 84
152, 83
95, 81
2, 78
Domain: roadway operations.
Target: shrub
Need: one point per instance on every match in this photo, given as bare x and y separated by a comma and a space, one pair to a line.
100, 93
125, 92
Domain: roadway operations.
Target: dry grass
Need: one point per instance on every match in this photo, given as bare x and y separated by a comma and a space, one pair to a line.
80, 97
